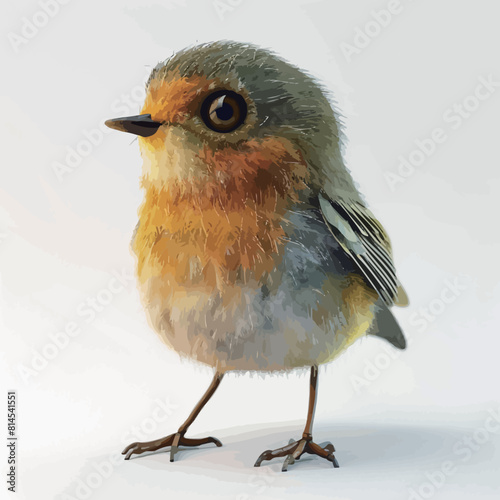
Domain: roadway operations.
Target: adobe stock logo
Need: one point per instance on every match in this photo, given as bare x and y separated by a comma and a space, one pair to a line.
223, 7
425, 315
91, 139
30, 27
453, 119
95, 474
463, 451
89, 309
364, 35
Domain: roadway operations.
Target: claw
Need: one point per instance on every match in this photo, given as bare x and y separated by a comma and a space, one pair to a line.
289, 460
300, 450
173, 451
261, 458
173, 440
328, 446
129, 450
215, 441
295, 449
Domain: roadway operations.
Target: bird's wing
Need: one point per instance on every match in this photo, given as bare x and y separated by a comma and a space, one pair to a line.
365, 241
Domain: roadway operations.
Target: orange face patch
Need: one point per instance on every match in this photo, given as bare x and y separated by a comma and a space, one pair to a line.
227, 226
172, 101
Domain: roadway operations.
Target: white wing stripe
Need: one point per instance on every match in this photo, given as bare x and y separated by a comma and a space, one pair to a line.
370, 247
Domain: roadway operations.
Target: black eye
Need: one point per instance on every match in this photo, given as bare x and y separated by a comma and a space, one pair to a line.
224, 111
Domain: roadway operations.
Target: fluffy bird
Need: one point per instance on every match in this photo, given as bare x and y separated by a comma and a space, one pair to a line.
255, 250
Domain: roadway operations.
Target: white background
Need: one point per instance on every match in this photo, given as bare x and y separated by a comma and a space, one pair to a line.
395, 417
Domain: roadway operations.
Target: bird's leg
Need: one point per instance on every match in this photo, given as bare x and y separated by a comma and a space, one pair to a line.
295, 449
177, 439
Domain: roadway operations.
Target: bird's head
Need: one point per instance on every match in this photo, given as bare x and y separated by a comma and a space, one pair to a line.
226, 114
232, 139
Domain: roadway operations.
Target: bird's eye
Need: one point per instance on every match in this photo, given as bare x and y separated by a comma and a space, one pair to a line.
224, 111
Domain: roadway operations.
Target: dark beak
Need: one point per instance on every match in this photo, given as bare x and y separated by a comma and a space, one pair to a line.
141, 125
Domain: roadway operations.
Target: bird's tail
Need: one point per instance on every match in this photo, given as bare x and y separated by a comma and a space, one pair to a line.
386, 327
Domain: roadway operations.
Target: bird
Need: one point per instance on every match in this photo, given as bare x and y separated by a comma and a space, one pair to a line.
255, 250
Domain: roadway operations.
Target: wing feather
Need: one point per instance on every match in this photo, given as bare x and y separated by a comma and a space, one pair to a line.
364, 239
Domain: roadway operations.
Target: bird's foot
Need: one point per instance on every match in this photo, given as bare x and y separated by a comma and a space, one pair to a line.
295, 449
174, 441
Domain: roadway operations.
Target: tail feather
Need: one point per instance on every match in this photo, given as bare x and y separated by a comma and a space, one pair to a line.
386, 327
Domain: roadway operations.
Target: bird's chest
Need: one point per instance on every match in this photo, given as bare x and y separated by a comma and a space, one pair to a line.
221, 225
196, 242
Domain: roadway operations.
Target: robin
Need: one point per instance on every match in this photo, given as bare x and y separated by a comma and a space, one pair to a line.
255, 251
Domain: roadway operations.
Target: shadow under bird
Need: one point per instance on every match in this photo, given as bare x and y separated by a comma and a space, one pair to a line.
255, 250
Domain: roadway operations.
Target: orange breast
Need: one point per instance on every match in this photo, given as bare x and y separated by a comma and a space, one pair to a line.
215, 232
